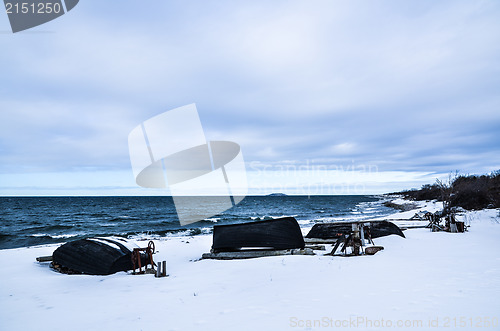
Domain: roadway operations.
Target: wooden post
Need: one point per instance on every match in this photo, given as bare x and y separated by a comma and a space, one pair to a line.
356, 240
362, 234
340, 240
158, 270
164, 268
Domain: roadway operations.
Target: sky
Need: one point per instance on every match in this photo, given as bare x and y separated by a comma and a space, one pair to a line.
324, 97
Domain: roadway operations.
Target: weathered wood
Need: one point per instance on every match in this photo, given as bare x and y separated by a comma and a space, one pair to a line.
460, 226
337, 244
316, 247
372, 250
44, 258
158, 270
164, 269
335, 230
404, 220
249, 254
407, 227
320, 241
347, 242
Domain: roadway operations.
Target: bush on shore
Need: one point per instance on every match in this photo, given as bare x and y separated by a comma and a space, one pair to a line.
471, 192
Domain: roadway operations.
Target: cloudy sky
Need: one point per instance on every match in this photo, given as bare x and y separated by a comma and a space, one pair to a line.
324, 97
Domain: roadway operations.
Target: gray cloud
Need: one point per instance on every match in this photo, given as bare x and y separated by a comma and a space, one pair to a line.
408, 86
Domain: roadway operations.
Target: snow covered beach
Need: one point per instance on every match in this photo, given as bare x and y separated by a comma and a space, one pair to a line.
426, 281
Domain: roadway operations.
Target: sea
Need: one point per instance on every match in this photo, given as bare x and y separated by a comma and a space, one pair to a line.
30, 221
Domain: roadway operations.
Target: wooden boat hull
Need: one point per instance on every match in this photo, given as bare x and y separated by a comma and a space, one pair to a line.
94, 256
278, 234
337, 229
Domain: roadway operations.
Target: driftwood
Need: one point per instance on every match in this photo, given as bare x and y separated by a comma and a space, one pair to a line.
356, 241
372, 250
316, 247
341, 240
313, 241
44, 258
249, 254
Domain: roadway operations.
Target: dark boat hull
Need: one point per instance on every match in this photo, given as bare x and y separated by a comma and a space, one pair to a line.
281, 233
337, 229
93, 256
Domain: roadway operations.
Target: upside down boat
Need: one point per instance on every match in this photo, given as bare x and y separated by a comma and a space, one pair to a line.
95, 256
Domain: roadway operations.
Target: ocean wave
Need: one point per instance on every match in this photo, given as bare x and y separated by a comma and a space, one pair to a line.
122, 218
270, 217
51, 228
348, 217
306, 222
108, 224
57, 236
67, 219
164, 235
212, 219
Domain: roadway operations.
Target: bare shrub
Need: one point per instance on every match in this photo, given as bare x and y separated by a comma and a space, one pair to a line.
471, 192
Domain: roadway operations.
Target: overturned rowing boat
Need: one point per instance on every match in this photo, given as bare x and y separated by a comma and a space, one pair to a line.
335, 230
277, 234
281, 236
95, 256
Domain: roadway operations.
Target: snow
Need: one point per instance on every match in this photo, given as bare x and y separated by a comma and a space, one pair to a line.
422, 207
431, 277
402, 201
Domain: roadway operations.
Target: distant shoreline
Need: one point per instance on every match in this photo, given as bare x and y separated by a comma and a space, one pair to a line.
170, 196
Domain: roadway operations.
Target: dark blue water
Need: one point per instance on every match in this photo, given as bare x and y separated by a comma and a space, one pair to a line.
27, 221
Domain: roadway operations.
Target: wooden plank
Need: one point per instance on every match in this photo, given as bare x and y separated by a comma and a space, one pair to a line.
316, 247
256, 253
320, 241
403, 228
337, 244
44, 258
372, 250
